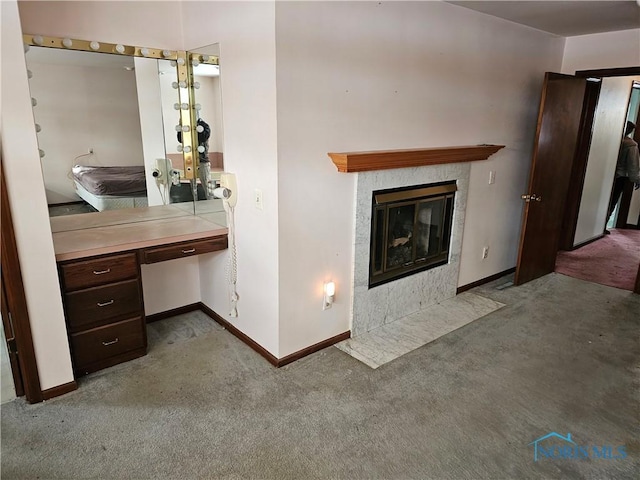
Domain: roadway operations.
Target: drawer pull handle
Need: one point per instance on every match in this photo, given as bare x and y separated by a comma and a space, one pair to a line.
191, 250
101, 272
106, 344
106, 304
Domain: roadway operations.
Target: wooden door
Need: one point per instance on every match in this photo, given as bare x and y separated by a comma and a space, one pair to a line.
553, 153
11, 343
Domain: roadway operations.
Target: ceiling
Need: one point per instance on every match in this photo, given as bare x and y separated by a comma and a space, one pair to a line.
564, 18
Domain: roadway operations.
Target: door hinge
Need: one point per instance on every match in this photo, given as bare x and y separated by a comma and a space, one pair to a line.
12, 346
531, 198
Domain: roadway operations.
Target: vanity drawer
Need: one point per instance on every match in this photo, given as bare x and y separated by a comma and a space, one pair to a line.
89, 273
186, 249
99, 305
101, 343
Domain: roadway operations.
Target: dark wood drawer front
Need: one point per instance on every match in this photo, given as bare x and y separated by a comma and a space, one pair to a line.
99, 271
99, 305
100, 343
187, 249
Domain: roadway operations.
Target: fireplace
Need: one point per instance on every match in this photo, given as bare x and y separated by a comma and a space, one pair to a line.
410, 230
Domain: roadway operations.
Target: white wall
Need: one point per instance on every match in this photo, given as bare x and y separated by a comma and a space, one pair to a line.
82, 107
602, 50
607, 133
369, 75
246, 34
21, 165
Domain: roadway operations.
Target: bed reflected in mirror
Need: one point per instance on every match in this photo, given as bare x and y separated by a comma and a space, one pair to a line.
101, 121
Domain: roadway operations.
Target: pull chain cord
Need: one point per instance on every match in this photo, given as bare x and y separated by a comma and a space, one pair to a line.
232, 266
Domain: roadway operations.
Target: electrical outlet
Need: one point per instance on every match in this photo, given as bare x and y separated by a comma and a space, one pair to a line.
257, 200
485, 252
492, 177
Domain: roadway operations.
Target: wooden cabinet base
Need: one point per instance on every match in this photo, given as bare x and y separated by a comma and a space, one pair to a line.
110, 362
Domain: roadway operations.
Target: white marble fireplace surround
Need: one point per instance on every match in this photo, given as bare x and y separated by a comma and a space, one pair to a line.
383, 304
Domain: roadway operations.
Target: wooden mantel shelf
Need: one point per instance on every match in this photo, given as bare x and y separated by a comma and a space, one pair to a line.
386, 159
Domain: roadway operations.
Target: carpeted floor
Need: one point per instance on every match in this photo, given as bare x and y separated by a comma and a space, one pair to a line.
612, 260
560, 356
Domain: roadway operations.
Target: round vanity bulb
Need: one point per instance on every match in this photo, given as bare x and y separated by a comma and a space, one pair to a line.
174, 84
179, 148
173, 63
38, 128
34, 102
144, 52
41, 152
206, 58
176, 106
120, 48
166, 53
195, 62
196, 85
187, 149
38, 40
29, 73
197, 106
178, 128
186, 128
201, 149
183, 84
67, 43
94, 45
180, 61
199, 129
185, 106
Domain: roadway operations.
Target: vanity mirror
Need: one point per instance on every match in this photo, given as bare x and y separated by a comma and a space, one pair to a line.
108, 117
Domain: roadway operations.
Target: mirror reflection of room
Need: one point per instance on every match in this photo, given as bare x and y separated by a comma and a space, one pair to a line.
100, 133
208, 108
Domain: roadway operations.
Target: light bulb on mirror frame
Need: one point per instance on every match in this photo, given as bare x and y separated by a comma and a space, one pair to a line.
196, 85
187, 149
197, 106
173, 63
166, 53
120, 48
185, 106
94, 45
200, 149
182, 84
195, 62
174, 84
176, 106
178, 128
186, 128
67, 42
144, 52
38, 40
199, 129
179, 148
180, 61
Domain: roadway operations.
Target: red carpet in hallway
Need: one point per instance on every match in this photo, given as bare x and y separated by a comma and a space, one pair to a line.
613, 260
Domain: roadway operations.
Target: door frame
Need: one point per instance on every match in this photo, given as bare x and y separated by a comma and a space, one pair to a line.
16, 301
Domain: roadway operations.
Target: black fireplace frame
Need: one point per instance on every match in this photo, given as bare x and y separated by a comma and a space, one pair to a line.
381, 203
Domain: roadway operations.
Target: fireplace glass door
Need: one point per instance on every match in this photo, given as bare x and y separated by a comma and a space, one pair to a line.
411, 230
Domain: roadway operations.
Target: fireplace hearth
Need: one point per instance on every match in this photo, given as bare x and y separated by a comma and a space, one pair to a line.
410, 230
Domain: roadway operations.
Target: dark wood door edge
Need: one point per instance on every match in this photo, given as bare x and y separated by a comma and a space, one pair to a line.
586, 242
173, 312
609, 72
16, 300
50, 393
637, 287
276, 362
484, 280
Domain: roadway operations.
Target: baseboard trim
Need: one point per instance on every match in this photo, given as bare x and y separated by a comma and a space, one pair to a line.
263, 351
313, 348
50, 393
583, 244
482, 281
237, 333
173, 312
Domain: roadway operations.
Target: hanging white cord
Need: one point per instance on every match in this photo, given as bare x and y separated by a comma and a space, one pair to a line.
232, 266
162, 193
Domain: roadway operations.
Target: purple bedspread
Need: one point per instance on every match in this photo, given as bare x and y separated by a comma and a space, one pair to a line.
116, 181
